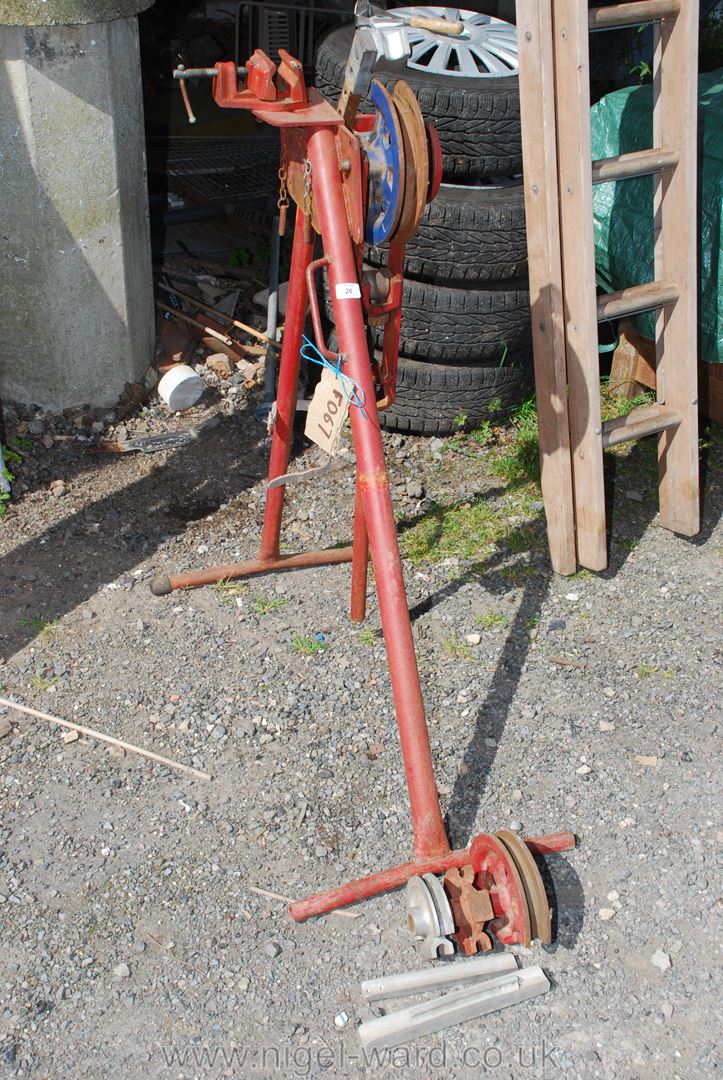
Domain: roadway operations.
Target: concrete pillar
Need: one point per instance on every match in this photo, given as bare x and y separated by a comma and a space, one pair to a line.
76, 299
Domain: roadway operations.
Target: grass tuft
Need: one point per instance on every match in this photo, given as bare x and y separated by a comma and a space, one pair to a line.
44, 628
455, 646
490, 620
262, 605
306, 645
520, 462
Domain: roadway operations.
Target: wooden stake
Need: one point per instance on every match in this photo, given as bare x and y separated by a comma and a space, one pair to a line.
93, 734
675, 115
201, 326
288, 900
572, 79
539, 149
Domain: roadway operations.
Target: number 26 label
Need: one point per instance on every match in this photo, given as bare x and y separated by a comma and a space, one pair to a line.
348, 291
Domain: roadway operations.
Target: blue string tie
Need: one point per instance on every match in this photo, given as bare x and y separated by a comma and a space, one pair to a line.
352, 393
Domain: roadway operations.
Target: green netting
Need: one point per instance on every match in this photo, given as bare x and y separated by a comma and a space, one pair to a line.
623, 209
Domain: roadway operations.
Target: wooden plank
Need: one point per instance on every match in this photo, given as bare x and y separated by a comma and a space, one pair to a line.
645, 370
572, 79
537, 109
647, 420
635, 299
623, 371
634, 163
675, 114
711, 381
633, 13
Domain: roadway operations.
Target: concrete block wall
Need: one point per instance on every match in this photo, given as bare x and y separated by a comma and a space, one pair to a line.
76, 299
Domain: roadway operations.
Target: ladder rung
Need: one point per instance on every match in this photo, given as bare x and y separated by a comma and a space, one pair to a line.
632, 14
638, 163
637, 298
647, 420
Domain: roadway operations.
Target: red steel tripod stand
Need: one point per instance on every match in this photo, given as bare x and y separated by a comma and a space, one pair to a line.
373, 179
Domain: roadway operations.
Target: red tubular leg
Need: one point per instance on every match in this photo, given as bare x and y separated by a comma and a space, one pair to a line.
374, 884
430, 838
546, 845
161, 586
395, 876
359, 563
287, 390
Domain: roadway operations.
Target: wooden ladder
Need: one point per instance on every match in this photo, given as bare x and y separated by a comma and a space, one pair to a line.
553, 38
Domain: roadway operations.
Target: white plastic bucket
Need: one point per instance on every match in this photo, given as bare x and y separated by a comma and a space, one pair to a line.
181, 387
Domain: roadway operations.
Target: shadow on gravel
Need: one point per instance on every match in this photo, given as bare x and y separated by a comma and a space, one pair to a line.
49, 575
567, 900
637, 473
492, 715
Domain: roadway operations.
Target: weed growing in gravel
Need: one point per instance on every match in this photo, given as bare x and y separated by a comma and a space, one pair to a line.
482, 435
229, 591
490, 620
612, 405
44, 628
39, 683
264, 604
7, 457
469, 530
308, 646
520, 464
464, 531
517, 573
367, 636
644, 670
456, 647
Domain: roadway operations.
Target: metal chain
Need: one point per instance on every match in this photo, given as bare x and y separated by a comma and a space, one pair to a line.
283, 200
307, 189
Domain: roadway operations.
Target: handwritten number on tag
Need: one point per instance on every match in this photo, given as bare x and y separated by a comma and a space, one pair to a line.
332, 408
327, 413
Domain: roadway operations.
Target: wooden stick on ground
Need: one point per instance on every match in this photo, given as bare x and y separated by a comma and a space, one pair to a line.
288, 900
201, 326
91, 733
222, 314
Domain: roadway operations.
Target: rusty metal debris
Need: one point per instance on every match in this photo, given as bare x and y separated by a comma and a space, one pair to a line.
167, 440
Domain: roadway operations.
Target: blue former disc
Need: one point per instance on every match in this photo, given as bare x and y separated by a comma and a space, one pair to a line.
383, 149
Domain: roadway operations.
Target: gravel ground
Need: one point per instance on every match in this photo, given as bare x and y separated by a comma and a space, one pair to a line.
132, 944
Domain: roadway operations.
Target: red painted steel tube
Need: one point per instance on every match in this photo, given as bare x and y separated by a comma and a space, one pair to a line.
430, 838
213, 574
301, 254
363, 888
359, 563
552, 842
317, 264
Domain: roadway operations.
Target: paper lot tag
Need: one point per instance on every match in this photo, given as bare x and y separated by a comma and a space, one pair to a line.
327, 413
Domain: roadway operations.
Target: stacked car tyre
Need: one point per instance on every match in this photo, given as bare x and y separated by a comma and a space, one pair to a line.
465, 348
